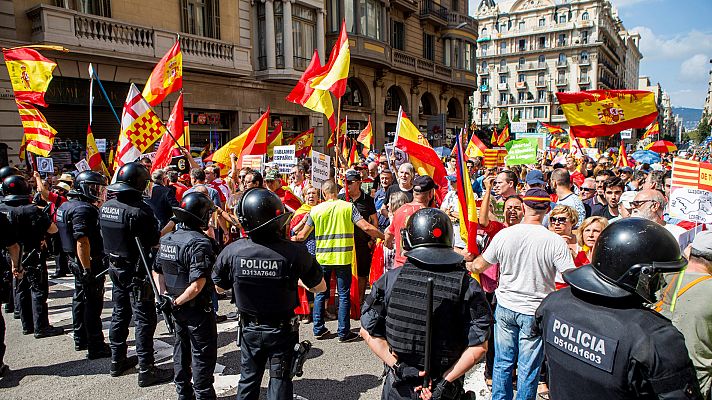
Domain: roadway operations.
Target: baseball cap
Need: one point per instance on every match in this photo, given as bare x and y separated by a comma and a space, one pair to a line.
537, 198
272, 175
626, 169
352, 175
535, 177
702, 245
423, 183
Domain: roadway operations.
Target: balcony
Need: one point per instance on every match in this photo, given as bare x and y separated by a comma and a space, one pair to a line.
99, 36
483, 71
562, 64
433, 12
561, 43
584, 61
503, 69
531, 66
502, 102
540, 84
584, 24
521, 85
584, 80
484, 104
407, 6
426, 68
562, 82
484, 88
502, 86
461, 21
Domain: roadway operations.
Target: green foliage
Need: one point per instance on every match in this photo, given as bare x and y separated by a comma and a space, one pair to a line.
503, 120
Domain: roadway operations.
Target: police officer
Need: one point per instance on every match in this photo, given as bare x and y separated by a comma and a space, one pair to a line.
8, 242
32, 286
394, 314
79, 232
600, 339
6, 279
122, 219
264, 271
183, 265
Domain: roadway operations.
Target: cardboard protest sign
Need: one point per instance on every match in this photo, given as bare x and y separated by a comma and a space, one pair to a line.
285, 158
321, 163
45, 164
691, 196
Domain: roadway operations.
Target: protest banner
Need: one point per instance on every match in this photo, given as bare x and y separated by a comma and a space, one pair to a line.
521, 151
690, 197
82, 165
253, 161
396, 154
101, 145
285, 158
321, 164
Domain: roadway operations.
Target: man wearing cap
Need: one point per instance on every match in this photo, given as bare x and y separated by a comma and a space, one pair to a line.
692, 315
529, 255
55, 198
363, 244
561, 183
626, 175
423, 193
273, 182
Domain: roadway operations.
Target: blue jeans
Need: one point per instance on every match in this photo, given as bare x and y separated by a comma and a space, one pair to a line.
343, 284
514, 340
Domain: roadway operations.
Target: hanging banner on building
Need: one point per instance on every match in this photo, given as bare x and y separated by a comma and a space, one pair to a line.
321, 164
520, 152
691, 191
285, 158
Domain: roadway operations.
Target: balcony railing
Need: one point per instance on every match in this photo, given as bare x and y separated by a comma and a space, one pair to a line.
562, 63
584, 80
429, 9
562, 82
421, 66
584, 61
530, 66
502, 102
503, 69
483, 71
461, 21
502, 86
540, 84
561, 43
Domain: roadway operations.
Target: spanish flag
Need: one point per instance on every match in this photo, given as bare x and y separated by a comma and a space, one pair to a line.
466, 200
303, 143
475, 148
622, 157
251, 141
93, 156
274, 139
423, 157
164, 154
331, 142
166, 78
366, 138
597, 113
39, 135
30, 74
654, 129
314, 99
553, 129
504, 136
336, 71
495, 137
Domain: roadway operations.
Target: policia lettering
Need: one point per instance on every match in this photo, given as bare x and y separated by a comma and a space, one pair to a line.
261, 268
591, 348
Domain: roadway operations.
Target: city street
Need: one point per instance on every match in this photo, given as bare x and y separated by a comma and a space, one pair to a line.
50, 368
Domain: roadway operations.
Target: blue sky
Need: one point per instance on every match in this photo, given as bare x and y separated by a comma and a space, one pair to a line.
676, 42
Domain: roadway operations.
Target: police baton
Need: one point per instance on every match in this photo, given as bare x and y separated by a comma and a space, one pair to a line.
428, 331
166, 316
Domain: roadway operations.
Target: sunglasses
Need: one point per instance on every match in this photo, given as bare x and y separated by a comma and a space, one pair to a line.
588, 189
638, 203
558, 220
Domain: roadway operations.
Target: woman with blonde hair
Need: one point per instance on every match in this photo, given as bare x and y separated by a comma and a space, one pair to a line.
587, 236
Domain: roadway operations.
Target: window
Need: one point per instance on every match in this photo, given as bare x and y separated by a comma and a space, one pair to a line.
332, 14
584, 57
469, 58
485, 114
562, 18
101, 8
349, 13
521, 61
484, 33
540, 79
502, 27
562, 59
561, 77
540, 112
370, 11
201, 17
393, 100
585, 16
542, 42
279, 33
542, 60
353, 95
583, 77
503, 98
542, 21
398, 35
561, 41
502, 63
584, 37
541, 96
503, 79
503, 47
429, 46
484, 99
455, 6
483, 66
522, 45
304, 34
522, 78
484, 81
522, 25
261, 38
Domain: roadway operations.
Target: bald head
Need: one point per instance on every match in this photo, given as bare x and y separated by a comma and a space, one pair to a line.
649, 204
329, 189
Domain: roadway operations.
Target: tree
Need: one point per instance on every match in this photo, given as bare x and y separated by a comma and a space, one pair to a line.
704, 127
503, 120
516, 118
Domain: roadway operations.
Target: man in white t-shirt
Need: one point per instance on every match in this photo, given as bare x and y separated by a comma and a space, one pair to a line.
529, 255
650, 204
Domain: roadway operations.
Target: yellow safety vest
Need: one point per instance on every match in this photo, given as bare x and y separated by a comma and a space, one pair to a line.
334, 232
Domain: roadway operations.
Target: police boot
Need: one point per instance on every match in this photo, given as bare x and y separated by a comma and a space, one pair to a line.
102, 352
119, 367
49, 331
148, 376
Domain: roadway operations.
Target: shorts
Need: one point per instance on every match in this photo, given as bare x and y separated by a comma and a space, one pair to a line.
364, 256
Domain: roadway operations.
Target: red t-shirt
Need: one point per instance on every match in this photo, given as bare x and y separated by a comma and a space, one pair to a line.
180, 189
490, 278
399, 220
54, 201
577, 178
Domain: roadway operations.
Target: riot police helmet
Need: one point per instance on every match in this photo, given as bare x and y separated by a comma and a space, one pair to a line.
89, 185
8, 171
195, 210
630, 259
261, 210
132, 177
427, 238
16, 188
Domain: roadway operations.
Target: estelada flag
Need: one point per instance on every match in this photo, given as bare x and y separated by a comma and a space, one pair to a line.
274, 139
597, 113
423, 157
303, 143
654, 129
39, 135
139, 122
164, 154
366, 138
166, 78
252, 141
30, 73
336, 71
93, 156
622, 156
314, 99
466, 200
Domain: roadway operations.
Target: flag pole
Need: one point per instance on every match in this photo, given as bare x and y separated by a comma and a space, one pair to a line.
106, 96
338, 128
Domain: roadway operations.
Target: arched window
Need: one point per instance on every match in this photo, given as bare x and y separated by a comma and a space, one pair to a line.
356, 94
562, 18
394, 99
484, 33
453, 109
562, 58
427, 105
484, 65
584, 56
521, 61
503, 63
542, 59
585, 16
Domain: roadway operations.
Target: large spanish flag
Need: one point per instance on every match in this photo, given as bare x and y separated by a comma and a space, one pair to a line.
475, 148
303, 143
166, 78
336, 71
250, 142
423, 157
597, 113
314, 99
93, 156
39, 135
274, 139
30, 74
466, 200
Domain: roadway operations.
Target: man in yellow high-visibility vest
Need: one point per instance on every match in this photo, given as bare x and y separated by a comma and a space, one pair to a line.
333, 222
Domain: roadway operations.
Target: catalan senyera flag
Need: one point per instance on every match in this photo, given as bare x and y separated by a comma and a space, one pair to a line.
654, 129
30, 74
250, 142
336, 71
143, 127
685, 173
39, 135
504, 136
93, 156
274, 139
366, 138
423, 157
303, 143
598, 113
622, 157
475, 148
166, 78
314, 99
175, 129
466, 201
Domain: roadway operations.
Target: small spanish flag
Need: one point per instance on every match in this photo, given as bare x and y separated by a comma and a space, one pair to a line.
274, 139
166, 78
303, 143
366, 138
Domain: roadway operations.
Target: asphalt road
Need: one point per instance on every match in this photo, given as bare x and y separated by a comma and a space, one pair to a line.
50, 368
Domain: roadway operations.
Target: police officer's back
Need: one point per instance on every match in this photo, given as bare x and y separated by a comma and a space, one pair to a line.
394, 313
6, 286
263, 271
79, 232
600, 340
184, 262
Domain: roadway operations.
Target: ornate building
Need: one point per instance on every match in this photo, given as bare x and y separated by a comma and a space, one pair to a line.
530, 49
708, 100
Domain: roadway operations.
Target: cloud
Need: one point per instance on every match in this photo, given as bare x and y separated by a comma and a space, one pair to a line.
695, 69
688, 98
655, 47
627, 3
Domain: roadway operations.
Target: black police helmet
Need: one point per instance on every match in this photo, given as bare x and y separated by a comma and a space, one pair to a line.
16, 188
195, 209
427, 238
629, 258
8, 171
87, 185
261, 209
132, 177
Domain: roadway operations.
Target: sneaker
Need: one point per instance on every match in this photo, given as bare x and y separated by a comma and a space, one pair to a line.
232, 316
153, 376
119, 367
49, 332
350, 337
323, 335
220, 318
103, 352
